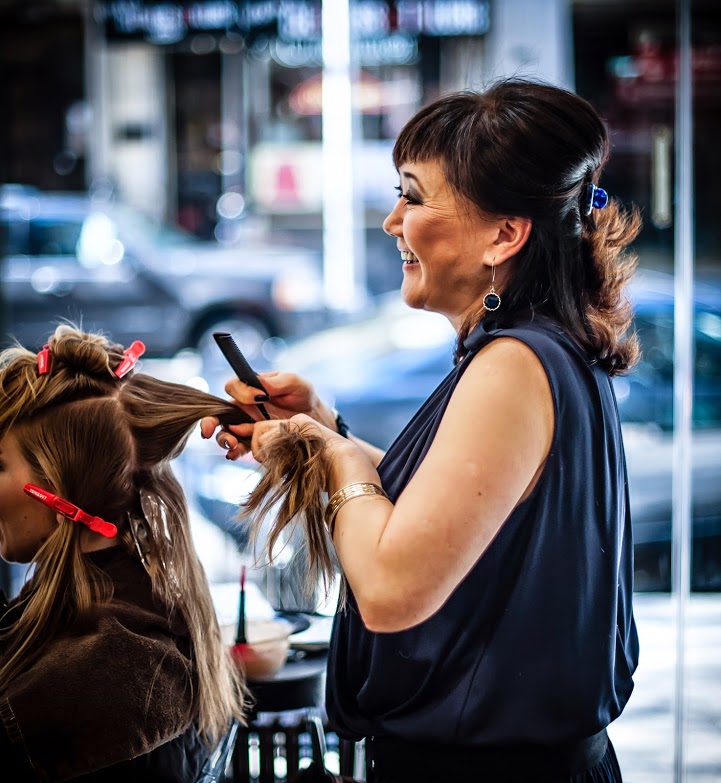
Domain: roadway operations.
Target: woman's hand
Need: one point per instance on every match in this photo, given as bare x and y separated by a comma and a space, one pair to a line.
289, 394
266, 430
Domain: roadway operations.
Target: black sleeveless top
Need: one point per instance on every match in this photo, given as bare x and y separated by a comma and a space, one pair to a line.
538, 643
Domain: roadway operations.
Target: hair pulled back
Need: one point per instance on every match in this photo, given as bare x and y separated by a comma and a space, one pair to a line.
105, 444
527, 149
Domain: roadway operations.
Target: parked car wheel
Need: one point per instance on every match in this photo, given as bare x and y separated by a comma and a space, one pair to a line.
249, 332
69, 256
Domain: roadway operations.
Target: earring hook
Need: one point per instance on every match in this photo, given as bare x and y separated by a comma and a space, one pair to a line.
491, 301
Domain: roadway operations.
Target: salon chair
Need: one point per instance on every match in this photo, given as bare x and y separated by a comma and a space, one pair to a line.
287, 714
287, 710
215, 768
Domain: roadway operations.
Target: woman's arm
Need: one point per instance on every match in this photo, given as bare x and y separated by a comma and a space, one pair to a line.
374, 454
403, 562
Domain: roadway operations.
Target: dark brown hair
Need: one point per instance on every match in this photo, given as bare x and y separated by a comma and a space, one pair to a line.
527, 149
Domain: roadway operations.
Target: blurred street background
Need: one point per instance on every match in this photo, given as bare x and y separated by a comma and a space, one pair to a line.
170, 169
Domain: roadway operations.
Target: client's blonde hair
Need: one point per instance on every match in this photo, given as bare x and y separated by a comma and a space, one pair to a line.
105, 445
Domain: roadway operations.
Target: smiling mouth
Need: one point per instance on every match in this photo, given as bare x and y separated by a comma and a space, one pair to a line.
408, 257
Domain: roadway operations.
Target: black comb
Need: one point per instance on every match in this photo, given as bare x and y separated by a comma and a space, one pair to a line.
239, 364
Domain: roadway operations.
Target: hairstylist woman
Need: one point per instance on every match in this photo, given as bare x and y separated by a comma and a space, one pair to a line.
488, 632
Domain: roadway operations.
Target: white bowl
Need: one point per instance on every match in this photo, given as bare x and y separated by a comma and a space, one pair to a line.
266, 649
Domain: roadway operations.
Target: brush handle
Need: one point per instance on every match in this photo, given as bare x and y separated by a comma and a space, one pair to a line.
240, 637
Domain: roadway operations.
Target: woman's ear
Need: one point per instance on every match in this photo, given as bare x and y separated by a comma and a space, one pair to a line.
513, 233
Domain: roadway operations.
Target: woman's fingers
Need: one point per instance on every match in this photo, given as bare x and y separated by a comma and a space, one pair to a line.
241, 392
287, 394
240, 450
289, 391
208, 426
262, 433
265, 431
225, 440
240, 439
235, 440
255, 438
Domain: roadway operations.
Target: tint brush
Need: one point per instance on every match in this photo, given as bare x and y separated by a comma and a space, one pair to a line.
240, 638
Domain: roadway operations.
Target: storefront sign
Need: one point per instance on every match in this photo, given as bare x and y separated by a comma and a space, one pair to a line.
284, 178
370, 95
290, 21
395, 49
648, 76
300, 20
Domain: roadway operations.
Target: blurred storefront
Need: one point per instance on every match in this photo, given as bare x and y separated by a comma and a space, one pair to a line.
626, 57
242, 91
42, 94
207, 113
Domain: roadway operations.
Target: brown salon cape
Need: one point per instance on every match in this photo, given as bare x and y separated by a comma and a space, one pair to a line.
108, 689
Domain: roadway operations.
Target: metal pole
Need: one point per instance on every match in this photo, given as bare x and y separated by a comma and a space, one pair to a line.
340, 219
683, 373
232, 102
96, 81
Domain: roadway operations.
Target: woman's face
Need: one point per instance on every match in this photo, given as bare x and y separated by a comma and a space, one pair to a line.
25, 524
443, 243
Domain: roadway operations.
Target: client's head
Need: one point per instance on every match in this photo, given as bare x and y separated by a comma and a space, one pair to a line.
79, 425
99, 441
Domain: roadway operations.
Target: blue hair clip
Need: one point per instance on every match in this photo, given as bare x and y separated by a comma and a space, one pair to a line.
596, 198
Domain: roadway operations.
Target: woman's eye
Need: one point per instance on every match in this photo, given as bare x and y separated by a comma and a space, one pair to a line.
409, 199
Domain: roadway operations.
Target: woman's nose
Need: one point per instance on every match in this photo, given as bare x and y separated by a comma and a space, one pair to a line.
392, 225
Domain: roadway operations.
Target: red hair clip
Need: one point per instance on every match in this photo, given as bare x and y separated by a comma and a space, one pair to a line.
130, 358
44, 360
96, 524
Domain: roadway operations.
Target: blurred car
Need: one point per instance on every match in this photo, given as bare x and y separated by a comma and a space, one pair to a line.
379, 371
70, 256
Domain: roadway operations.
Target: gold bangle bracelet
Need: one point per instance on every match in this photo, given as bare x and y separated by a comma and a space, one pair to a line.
343, 495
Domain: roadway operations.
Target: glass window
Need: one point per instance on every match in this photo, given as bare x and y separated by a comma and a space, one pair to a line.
49, 237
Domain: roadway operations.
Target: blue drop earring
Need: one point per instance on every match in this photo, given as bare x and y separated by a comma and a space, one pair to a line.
491, 301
